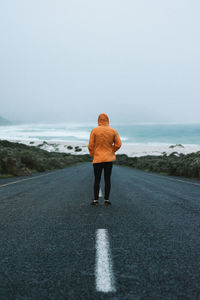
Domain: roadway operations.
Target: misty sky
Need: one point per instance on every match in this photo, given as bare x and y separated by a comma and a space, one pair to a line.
137, 60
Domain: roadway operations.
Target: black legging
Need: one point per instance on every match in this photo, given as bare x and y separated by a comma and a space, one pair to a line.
107, 166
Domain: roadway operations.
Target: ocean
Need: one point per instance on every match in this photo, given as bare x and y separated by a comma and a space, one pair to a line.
135, 133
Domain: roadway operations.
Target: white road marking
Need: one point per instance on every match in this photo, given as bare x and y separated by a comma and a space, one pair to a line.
100, 193
35, 177
103, 269
173, 179
184, 181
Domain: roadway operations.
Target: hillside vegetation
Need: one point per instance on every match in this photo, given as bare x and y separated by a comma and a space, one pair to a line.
18, 159
174, 164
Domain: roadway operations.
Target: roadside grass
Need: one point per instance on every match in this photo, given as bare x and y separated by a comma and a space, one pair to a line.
184, 165
17, 159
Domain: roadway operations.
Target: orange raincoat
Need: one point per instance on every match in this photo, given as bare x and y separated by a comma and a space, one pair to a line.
104, 141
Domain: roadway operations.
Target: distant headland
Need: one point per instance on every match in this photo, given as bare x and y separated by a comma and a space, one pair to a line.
4, 121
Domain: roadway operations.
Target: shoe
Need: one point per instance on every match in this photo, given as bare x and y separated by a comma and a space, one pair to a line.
107, 202
95, 202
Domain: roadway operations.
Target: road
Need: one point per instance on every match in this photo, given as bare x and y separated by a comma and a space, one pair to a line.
49, 232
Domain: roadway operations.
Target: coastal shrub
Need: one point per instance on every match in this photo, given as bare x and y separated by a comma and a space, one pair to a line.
9, 165
66, 154
1, 167
194, 167
18, 159
174, 164
40, 165
28, 160
55, 163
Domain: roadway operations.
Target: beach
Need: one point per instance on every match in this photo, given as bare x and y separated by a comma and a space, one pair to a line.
131, 149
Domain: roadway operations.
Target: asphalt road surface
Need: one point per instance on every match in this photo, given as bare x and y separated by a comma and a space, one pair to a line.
55, 245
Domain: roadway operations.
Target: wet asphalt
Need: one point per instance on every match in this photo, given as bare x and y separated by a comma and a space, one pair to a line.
48, 227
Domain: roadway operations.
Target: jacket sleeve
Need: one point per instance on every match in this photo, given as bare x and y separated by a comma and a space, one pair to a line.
91, 144
117, 142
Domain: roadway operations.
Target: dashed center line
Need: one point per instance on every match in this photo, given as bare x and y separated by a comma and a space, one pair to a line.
105, 281
100, 193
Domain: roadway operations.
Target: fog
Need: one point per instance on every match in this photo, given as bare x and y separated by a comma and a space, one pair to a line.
68, 61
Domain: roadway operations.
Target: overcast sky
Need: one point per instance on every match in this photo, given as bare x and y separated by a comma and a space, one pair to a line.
137, 60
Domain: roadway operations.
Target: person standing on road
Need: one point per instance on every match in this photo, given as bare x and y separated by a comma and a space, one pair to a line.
104, 142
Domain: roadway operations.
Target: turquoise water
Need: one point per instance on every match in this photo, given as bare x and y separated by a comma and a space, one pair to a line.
173, 133
146, 133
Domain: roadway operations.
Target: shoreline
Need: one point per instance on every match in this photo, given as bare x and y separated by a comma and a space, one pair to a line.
130, 149
19, 159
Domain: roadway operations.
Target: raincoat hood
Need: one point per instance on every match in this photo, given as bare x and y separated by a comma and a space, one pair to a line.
103, 120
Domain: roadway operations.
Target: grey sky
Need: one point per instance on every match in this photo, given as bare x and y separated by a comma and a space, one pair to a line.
67, 60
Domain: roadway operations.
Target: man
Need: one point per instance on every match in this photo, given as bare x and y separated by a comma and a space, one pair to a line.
104, 142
